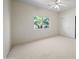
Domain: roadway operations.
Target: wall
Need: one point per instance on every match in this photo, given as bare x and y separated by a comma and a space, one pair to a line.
6, 28
22, 23
67, 23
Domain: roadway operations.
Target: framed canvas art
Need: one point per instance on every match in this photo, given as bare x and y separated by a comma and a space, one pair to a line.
41, 22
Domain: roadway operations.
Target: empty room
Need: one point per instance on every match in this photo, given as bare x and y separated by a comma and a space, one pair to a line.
39, 29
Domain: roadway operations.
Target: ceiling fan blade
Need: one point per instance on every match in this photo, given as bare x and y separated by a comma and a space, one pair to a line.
52, 6
58, 1
61, 5
52, 3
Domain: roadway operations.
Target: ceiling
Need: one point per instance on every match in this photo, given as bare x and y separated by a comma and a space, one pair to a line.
68, 4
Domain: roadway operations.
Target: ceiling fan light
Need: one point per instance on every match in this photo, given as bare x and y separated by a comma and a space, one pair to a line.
56, 6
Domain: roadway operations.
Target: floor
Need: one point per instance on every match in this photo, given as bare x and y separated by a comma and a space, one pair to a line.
50, 48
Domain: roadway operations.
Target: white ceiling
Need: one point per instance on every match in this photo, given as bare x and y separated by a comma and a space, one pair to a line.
44, 4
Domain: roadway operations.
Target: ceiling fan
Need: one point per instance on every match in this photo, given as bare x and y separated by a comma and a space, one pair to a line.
56, 4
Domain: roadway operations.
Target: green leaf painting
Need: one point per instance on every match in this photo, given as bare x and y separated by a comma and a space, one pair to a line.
41, 22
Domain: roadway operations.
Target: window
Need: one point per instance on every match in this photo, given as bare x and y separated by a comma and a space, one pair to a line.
41, 22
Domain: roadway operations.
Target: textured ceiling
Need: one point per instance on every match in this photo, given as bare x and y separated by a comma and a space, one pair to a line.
68, 4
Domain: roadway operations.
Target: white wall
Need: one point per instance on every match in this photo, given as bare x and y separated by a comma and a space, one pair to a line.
22, 23
67, 23
6, 28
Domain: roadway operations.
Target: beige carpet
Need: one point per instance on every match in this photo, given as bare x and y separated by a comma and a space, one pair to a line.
50, 48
